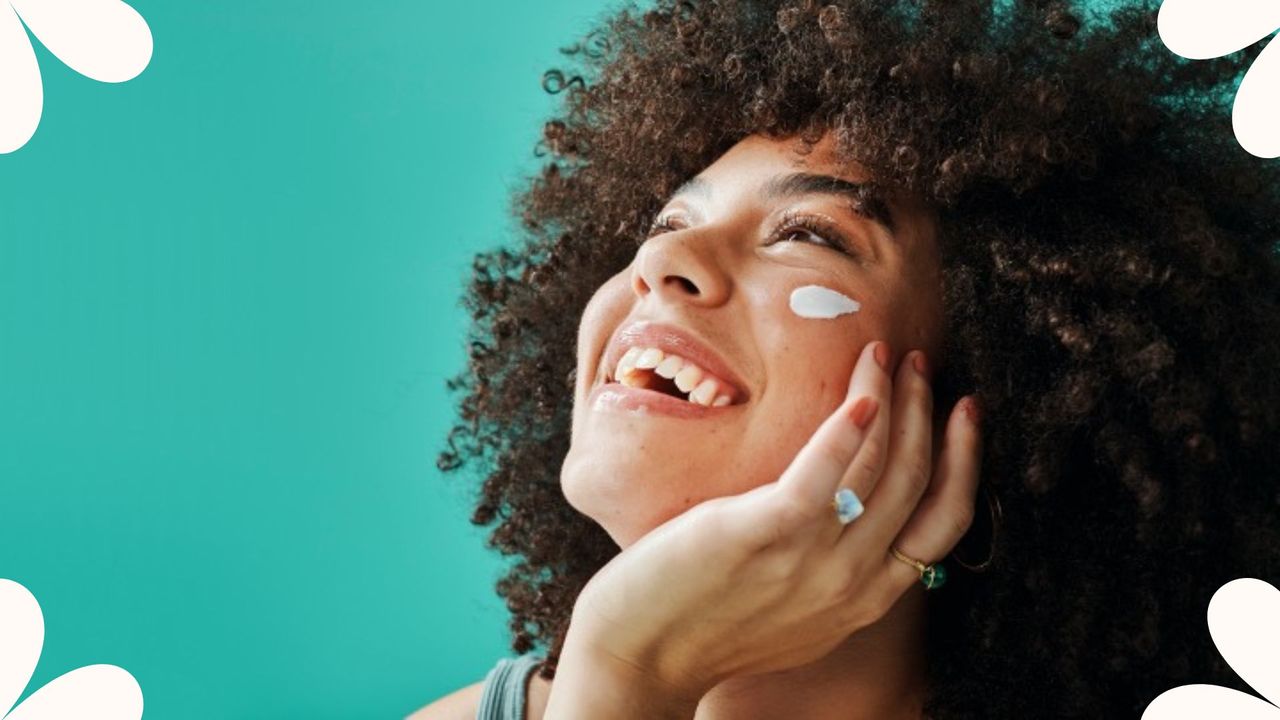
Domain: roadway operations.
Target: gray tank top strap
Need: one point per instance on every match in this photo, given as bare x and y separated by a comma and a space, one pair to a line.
503, 697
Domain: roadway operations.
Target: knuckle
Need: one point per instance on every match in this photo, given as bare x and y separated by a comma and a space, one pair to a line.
857, 601
844, 585
769, 535
859, 596
706, 515
789, 512
917, 474
871, 456
793, 510
851, 581
882, 601
832, 456
861, 614
838, 589
777, 568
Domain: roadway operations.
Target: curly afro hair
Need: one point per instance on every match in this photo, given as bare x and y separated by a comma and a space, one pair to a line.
1111, 291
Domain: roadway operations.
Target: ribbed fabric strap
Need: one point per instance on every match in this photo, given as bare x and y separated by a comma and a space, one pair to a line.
504, 689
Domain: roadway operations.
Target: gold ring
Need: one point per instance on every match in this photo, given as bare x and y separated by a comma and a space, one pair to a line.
933, 576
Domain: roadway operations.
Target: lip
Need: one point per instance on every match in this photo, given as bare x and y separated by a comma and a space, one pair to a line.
616, 396
676, 340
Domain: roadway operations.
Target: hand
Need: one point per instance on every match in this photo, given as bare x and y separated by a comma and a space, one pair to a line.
770, 579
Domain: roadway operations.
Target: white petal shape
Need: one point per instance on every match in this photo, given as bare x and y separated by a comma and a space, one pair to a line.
1200, 29
1197, 702
102, 39
21, 100
1255, 117
22, 635
102, 692
1244, 620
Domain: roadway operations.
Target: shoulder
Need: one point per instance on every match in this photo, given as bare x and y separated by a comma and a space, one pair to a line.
457, 705
539, 693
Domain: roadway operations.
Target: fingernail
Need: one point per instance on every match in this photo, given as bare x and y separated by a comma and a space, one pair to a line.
881, 354
973, 408
920, 364
863, 411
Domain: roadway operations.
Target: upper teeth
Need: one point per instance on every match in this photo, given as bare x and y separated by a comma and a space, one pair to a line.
688, 376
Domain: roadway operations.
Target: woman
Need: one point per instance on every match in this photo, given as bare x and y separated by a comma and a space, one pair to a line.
986, 268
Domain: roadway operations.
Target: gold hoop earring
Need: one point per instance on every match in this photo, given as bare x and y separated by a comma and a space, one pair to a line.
995, 513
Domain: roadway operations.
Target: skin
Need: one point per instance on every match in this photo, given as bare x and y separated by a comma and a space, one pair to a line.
618, 470
726, 520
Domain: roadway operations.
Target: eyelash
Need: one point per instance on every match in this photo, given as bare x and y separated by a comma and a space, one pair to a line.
791, 221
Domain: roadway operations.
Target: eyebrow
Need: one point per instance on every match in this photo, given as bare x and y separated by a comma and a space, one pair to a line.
862, 198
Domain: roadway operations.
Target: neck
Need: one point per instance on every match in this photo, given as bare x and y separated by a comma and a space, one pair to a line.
877, 672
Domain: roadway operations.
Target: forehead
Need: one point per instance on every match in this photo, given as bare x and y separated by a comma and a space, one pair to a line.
763, 156
753, 167
769, 170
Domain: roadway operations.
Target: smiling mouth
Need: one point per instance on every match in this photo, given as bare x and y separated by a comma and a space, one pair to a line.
649, 368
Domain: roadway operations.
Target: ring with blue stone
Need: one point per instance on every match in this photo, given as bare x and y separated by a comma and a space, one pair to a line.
848, 506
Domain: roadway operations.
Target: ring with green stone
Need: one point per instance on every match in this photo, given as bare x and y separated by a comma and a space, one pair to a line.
932, 576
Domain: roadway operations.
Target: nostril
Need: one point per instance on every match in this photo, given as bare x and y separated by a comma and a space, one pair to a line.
687, 284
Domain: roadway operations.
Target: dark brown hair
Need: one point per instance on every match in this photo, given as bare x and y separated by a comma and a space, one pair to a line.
1111, 287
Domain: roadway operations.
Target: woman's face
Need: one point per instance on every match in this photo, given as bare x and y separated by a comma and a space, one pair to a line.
715, 286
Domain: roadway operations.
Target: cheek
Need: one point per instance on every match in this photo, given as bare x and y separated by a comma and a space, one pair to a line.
809, 362
818, 302
606, 310
812, 335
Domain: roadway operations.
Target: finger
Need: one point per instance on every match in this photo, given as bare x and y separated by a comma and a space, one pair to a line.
909, 465
868, 463
810, 481
946, 511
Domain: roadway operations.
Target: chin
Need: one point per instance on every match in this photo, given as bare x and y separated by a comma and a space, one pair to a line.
623, 504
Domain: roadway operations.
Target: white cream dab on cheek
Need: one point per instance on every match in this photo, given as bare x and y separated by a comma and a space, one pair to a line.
815, 301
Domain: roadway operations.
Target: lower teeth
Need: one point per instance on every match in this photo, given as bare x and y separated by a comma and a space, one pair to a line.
649, 380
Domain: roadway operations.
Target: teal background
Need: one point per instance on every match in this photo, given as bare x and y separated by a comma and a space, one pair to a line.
228, 306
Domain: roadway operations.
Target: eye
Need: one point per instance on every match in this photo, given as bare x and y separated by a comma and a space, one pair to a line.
813, 226
660, 225
790, 225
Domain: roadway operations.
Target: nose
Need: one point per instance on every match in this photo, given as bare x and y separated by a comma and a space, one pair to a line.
682, 266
